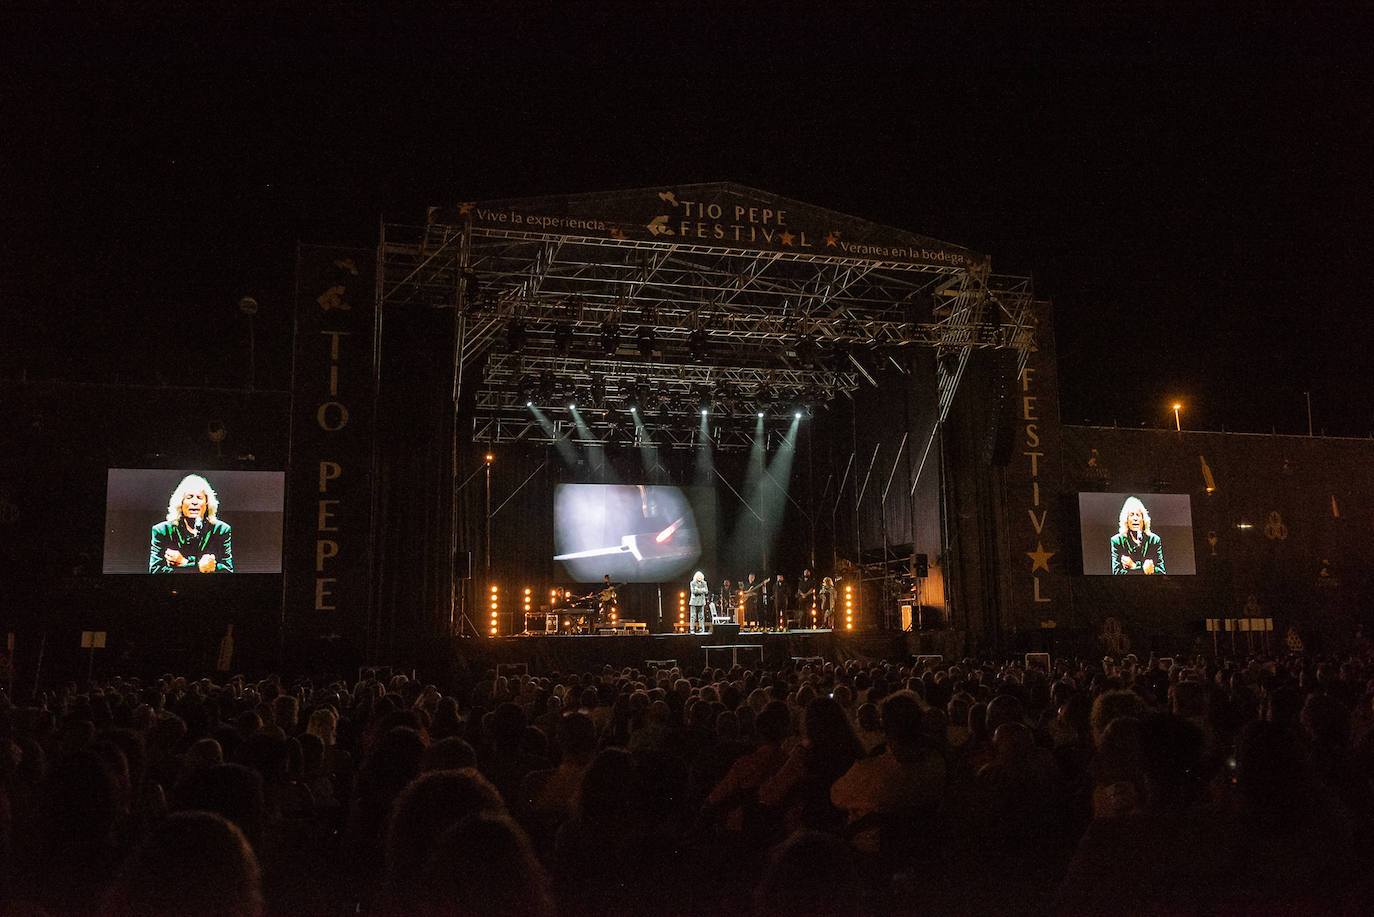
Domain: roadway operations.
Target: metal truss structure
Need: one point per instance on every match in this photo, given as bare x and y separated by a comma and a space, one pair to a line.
548, 319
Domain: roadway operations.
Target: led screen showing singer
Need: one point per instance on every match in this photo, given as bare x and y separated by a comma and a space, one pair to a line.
192, 538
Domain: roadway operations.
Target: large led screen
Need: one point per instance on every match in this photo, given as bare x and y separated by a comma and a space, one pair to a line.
189, 522
1136, 534
635, 533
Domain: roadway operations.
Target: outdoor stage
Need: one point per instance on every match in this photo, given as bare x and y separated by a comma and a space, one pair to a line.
581, 653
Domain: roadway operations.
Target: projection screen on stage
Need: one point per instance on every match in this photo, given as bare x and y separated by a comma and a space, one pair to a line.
635, 533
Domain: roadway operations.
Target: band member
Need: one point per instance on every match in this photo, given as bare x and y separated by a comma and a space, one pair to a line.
192, 539
826, 598
696, 604
782, 603
1135, 549
751, 597
727, 600
806, 598
606, 601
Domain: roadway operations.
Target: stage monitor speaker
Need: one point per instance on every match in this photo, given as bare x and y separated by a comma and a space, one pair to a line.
725, 634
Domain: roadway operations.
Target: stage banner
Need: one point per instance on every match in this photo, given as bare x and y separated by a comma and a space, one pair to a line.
1038, 567
715, 215
330, 481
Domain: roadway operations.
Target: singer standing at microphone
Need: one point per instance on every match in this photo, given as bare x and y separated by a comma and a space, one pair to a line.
192, 539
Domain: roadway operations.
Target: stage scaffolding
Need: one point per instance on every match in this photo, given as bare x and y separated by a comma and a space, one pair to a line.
555, 316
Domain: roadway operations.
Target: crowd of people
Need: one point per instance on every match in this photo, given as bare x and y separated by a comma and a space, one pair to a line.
855, 787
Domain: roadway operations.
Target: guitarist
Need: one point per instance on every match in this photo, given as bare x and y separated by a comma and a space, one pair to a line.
606, 601
752, 593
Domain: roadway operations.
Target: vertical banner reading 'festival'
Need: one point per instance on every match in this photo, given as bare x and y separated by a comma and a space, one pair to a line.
1039, 588
330, 482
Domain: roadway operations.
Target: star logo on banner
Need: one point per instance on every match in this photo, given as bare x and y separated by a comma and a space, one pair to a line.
832, 239
1040, 558
786, 238
669, 197
465, 207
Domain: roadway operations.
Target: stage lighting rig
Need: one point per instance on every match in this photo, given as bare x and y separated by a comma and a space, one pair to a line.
645, 341
610, 337
562, 339
703, 399
698, 345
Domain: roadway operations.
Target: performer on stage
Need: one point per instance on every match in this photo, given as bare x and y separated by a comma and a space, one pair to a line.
191, 539
696, 604
782, 603
827, 603
806, 598
606, 609
1135, 549
751, 597
727, 600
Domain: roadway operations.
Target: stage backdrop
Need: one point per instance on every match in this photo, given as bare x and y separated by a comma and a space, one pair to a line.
329, 487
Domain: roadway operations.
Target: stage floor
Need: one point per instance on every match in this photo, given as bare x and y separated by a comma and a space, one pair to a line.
544, 655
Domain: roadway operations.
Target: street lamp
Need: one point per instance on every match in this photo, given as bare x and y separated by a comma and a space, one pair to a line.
1178, 425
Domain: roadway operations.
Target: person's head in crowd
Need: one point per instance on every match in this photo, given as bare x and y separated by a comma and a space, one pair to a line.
1120, 756
1171, 756
811, 874
1013, 744
230, 790
425, 809
577, 738
901, 721
448, 754
1113, 705
285, 711
192, 863
266, 753
446, 720
773, 723
203, 753
484, 866
867, 717
1326, 721
312, 759
611, 788
324, 724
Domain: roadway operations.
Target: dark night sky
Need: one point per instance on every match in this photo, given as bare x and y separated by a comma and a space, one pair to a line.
1191, 190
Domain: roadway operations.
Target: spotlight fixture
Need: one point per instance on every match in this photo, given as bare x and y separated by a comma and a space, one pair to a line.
703, 399
562, 339
597, 392
645, 341
697, 345
610, 337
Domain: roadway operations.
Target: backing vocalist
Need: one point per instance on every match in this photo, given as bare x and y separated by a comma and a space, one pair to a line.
192, 539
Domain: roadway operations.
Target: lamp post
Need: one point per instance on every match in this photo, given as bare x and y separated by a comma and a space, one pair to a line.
1178, 425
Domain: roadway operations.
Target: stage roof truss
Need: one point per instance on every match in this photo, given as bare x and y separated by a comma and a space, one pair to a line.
769, 328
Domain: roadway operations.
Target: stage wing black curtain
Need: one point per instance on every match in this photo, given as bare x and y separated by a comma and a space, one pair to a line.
414, 441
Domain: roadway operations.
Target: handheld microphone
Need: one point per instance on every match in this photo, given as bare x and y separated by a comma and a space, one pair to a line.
195, 526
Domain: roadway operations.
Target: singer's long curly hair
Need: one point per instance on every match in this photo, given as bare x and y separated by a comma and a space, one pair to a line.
193, 483
1133, 503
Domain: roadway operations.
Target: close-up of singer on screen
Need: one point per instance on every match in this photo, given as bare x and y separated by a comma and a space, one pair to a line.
192, 538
